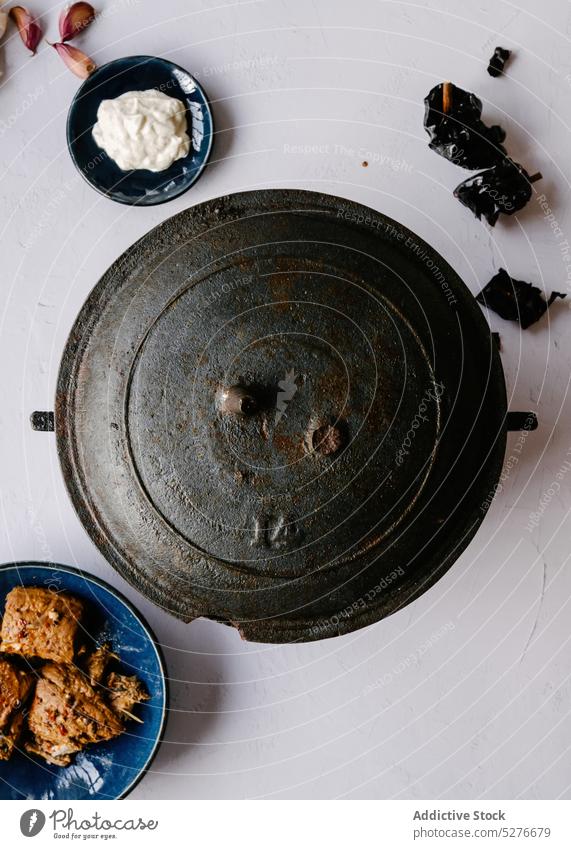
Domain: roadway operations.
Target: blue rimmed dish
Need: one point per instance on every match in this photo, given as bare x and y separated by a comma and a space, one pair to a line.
140, 187
107, 770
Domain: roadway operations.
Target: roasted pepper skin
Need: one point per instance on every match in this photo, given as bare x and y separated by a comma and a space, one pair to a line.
498, 61
503, 189
459, 134
515, 300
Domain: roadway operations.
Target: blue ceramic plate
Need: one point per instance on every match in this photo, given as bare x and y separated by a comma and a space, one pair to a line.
137, 73
105, 770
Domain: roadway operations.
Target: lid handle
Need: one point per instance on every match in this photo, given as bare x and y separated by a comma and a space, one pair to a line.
238, 400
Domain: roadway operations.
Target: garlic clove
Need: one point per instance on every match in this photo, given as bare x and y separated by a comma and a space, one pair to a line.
74, 19
28, 27
81, 65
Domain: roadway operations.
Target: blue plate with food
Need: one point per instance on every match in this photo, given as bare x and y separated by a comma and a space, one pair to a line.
83, 695
140, 130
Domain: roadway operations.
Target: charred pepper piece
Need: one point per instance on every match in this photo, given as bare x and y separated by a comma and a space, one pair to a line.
505, 188
498, 61
452, 119
515, 300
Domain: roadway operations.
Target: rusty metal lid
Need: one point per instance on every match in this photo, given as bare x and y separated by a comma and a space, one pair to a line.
281, 410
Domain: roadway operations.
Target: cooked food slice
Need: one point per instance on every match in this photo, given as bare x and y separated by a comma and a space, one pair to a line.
39, 622
126, 691
9, 691
97, 662
10, 736
52, 753
15, 687
67, 714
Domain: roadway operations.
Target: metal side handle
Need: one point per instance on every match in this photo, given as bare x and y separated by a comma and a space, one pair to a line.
42, 421
521, 421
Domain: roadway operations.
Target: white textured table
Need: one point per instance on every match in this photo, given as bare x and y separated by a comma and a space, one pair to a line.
466, 692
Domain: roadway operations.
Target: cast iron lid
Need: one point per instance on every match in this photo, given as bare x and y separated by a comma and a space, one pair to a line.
281, 410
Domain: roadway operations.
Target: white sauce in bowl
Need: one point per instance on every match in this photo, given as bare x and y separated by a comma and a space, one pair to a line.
142, 129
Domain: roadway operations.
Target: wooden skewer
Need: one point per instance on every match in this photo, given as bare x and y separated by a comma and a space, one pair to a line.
446, 97
132, 716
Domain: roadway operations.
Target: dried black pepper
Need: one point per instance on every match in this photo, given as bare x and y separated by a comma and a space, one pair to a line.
515, 300
498, 60
505, 188
452, 119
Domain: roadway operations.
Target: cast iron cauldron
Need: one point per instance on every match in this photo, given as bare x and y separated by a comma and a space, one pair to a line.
283, 411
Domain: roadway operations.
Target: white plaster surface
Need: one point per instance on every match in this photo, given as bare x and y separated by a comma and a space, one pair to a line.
485, 710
